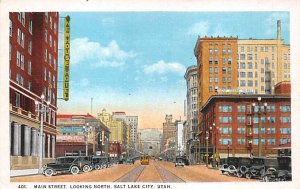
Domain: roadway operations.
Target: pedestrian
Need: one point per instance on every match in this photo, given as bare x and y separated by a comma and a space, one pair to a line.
217, 160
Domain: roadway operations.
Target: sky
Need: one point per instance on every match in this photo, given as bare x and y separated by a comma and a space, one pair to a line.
135, 61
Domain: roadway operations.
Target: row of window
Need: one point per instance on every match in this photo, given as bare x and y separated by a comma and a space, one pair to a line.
242, 130
215, 70
261, 48
216, 61
269, 108
242, 65
216, 79
242, 141
49, 58
51, 79
250, 119
224, 51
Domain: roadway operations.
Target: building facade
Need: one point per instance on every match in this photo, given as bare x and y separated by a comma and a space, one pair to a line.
75, 132
262, 63
132, 123
232, 122
191, 124
179, 139
33, 56
168, 137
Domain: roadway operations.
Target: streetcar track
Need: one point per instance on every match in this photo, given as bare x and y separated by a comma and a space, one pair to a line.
166, 175
132, 175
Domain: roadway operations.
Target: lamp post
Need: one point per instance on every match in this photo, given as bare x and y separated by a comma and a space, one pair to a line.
42, 108
250, 145
212, 129
228, 150
259, 111
86, 129
206, 138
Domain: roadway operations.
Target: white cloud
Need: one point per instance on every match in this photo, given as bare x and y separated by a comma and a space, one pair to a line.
83, 50
200, 28
161, 67
84, 82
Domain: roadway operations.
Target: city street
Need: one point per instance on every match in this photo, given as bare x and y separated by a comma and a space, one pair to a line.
156, 171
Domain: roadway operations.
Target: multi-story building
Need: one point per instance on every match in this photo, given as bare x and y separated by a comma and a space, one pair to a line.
262, 63
179, 139
191, 124
232, 122
73, 131
168, 137
33, 55
132, 122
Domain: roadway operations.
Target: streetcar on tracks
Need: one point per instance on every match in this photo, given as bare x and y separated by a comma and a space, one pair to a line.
144, 160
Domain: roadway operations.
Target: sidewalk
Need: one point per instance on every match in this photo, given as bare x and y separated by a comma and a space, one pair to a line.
23, 172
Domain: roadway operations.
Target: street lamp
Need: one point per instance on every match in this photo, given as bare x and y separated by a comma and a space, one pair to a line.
259, 111
86, 129
42, 108
212, 129
250, 145
207, 137
228, 150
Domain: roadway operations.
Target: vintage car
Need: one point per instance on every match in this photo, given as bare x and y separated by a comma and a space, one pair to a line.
231, 166
100, 162
179, 161
277, 169
68, 164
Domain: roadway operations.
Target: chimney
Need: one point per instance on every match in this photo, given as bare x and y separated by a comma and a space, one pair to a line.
278, 29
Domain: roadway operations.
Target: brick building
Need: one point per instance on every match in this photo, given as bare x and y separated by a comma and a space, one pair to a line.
232, 121
33, 55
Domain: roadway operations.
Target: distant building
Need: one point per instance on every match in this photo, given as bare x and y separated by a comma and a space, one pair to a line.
33, 60
179, 139
74, 130
151, 141
132, 123
191, 126
168, 137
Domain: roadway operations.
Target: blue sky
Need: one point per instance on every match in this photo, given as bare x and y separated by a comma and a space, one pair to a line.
135, 61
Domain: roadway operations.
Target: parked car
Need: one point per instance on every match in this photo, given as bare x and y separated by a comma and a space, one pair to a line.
279, 169
256, 169
179, 161
100, 162
231, 166
70, 164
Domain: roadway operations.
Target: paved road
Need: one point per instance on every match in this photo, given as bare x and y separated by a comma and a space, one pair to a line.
156, 171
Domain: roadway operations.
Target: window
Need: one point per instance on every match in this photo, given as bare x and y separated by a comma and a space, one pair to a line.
210, 70
30, 26
45, 54
223, 51
229, 80
10, 27
225, 130
50, 22
29, 85
250, 83
216, 61
225, 141
242, 65
271, 130
241, 141
22, 61
50, 40
46, 16
211, 80
210, 89
225, 119
210, 51
249, 57
19, 36
49, 77
216, 70
241, 130
216, 79
255, 141
285, 108
262, 61
46, 35
22, 39
21, 17
55, 27
50, 59
242, 49
255, 130
271, 119
223, 70
224, 60
271, 141
54, 82
284, 130
229, 60
225, 108
242, 56
241, 108
241, 119
250, 65
285, 119
285, 140
30, 47
250, 74
242, 83
18, 58
45, 74
224, 79
10, 51
17, 100
216, 51
29, 67
262, 79
229, 51
242, 74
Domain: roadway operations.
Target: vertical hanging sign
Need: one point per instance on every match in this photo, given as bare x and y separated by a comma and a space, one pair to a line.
66, 58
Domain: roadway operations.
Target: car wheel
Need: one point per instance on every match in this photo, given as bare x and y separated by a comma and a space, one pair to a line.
248, 175
104, 166
49, 172
239, 174
86, 168
97, 167
74, 170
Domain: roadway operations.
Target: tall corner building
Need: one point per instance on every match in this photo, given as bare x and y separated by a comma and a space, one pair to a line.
33, 57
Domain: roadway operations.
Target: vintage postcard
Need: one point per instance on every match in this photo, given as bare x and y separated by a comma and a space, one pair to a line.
137, 94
